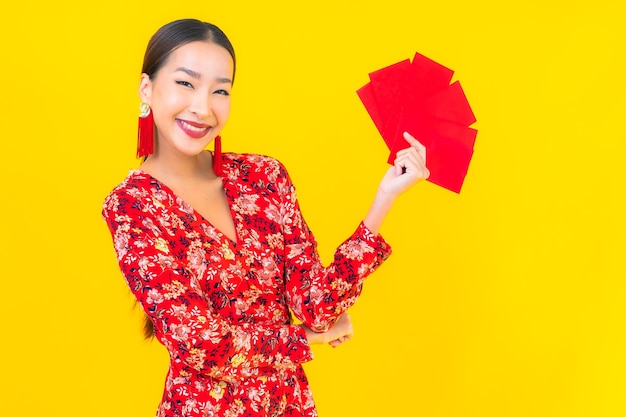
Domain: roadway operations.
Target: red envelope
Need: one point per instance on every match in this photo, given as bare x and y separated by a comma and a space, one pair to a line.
381, 95
366, 94
417, 97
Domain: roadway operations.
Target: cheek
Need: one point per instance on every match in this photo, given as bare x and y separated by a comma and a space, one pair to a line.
167, 100
223, 109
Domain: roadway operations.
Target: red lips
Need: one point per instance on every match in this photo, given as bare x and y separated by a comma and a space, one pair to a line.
193, 129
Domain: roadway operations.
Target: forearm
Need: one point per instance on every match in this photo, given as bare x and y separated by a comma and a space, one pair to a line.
377, 212
318, 295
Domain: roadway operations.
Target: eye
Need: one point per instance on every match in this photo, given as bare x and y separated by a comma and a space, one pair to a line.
222, 92
184, 83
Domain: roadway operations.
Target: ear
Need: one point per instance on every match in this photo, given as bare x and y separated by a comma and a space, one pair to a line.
145, 88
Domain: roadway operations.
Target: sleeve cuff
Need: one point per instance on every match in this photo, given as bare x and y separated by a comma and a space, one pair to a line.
381, 247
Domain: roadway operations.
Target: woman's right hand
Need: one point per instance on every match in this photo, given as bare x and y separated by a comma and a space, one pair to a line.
341, 332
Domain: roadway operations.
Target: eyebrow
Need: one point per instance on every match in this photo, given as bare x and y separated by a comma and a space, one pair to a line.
197, 75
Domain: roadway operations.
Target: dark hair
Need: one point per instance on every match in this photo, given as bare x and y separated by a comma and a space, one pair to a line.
178, 33
165, 41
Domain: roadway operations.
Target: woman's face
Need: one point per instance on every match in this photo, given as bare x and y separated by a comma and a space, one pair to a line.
189, 97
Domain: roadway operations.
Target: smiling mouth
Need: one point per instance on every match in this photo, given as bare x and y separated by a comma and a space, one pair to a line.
193, 128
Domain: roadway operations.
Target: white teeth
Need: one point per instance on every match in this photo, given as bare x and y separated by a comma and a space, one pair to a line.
193, 128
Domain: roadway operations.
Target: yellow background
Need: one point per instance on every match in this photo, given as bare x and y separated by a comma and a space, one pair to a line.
505, 300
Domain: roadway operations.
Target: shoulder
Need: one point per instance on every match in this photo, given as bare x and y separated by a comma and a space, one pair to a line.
134, 189
240, 165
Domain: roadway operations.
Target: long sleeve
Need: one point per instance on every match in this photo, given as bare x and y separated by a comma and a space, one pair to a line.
318, 295
198, 339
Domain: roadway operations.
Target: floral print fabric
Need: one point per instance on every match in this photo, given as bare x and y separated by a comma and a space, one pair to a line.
222, 308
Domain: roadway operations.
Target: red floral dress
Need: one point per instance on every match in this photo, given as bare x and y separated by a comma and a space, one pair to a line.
222, 308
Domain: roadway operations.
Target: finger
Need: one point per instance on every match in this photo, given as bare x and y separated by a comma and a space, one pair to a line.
339, 341
412, 169
412, 140
415, 144
410, 161
334, 343
418, 151
408, 154
409, 138
400, 162
411, 155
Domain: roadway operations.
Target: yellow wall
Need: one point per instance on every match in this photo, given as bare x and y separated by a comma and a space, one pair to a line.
505, 300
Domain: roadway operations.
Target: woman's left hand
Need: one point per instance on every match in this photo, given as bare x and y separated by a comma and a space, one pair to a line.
409, 168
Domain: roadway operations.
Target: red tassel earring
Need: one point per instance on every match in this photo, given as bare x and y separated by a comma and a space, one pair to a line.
217, 156
145, 138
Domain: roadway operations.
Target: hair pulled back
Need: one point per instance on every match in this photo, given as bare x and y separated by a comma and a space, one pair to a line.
176, 34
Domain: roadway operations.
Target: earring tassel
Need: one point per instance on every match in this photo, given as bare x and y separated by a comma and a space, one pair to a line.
217, 156
145, 139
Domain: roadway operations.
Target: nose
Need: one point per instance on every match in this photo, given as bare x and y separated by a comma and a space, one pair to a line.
201, 106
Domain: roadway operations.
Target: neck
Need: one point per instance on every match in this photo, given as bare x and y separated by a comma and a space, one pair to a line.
180, 167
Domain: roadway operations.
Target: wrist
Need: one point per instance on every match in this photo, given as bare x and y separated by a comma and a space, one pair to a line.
385, 196
381, 205
310, 334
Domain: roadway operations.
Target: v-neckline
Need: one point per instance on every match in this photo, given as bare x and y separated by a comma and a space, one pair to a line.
196, 213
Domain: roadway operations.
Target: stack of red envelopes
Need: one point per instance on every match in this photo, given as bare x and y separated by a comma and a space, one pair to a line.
417, 97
